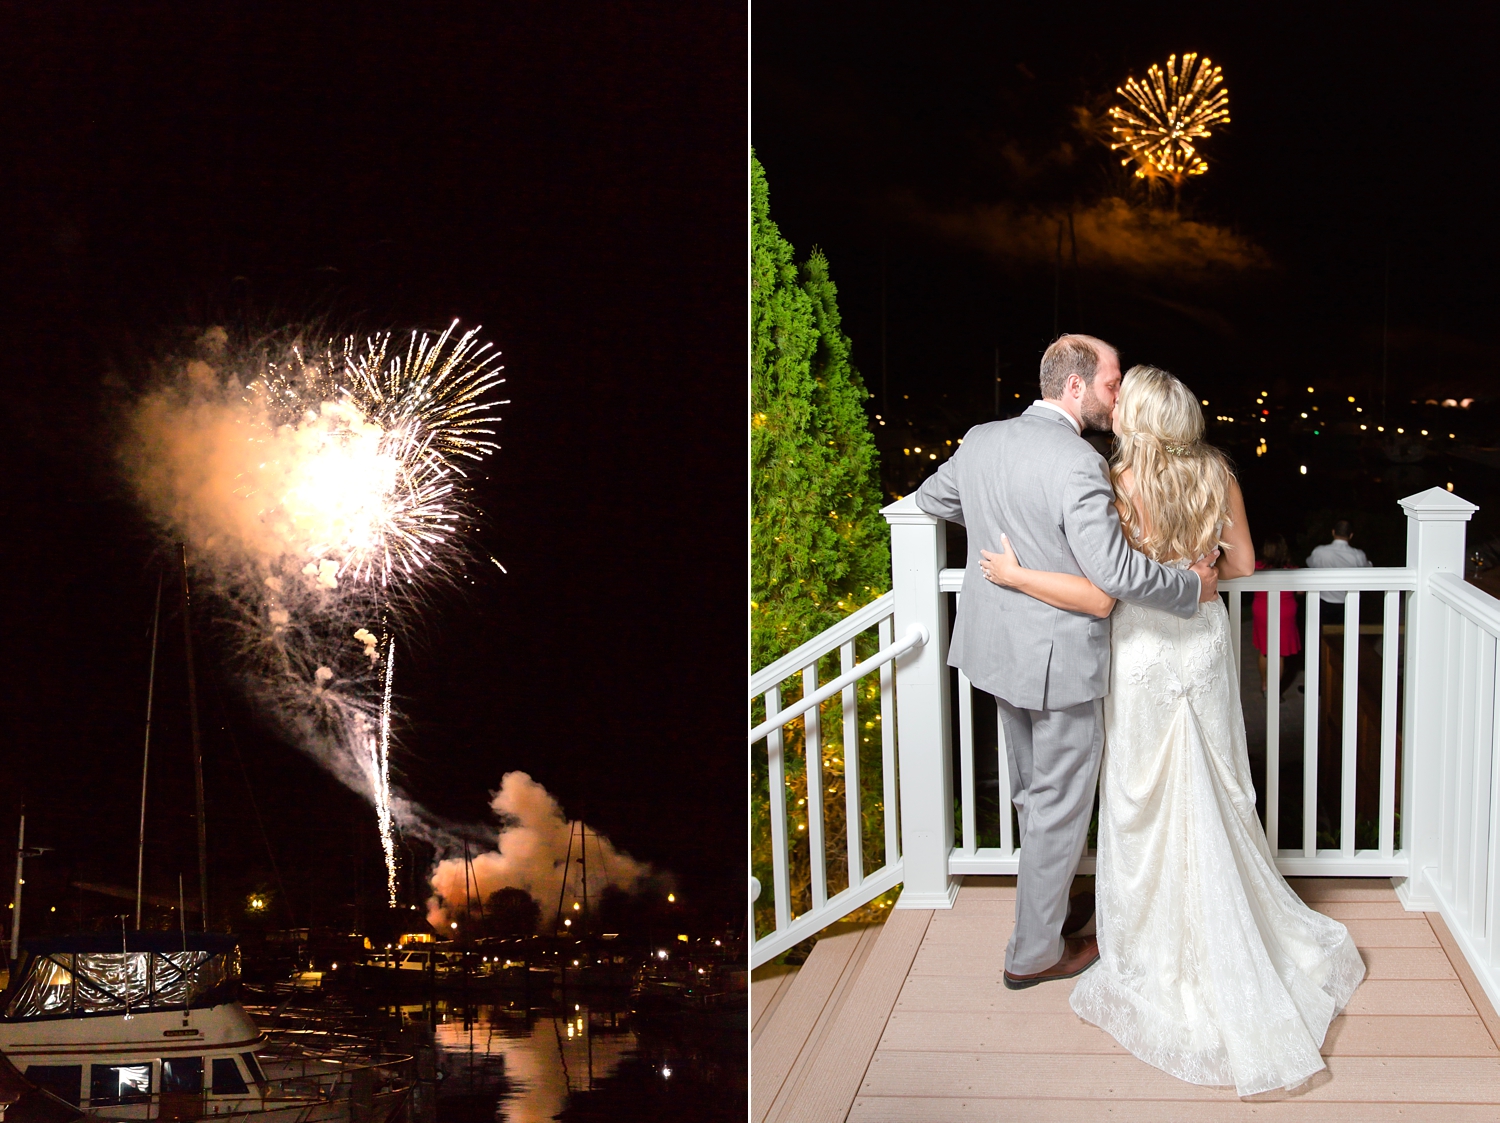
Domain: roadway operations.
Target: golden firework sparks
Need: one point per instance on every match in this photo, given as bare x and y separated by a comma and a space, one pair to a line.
1166, 113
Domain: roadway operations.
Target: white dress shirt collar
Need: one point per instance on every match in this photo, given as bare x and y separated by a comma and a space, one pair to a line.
1055, 408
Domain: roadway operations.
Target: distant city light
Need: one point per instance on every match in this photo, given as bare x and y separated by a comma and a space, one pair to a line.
1302, 468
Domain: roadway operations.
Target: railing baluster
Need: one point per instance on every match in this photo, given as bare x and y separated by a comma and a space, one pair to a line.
1480, 779
888, 746
1351, 723
1452, 693
1463, 772
852, 793
1390, 648
1492, 870
1273, 719
817, 856
966, 764
1236, 627
780, 881
1312, 675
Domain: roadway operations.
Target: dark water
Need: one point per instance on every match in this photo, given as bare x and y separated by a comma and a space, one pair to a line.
573, 1061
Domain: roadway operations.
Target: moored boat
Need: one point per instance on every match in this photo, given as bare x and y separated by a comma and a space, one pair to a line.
148, 1025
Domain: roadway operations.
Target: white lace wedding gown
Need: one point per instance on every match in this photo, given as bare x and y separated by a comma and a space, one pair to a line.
1210, 967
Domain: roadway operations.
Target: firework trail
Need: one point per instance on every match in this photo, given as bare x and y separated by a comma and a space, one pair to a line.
382, 777
320, 486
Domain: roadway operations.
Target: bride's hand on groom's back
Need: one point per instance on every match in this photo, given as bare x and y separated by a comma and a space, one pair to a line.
1208, 576
1001, 568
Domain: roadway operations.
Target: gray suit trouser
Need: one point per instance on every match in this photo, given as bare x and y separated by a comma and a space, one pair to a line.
1054, 760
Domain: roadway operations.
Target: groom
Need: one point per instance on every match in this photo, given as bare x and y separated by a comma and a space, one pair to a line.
1035, 479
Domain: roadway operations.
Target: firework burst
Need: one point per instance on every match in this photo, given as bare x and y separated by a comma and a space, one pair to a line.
322, 489
1165, 114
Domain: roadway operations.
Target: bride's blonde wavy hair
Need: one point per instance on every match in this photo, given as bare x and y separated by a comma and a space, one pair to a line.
1180, 483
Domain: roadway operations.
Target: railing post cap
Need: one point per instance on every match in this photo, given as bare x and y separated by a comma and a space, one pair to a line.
905, 510
1437, 504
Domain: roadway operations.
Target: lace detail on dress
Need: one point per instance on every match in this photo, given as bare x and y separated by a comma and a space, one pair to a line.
1210, 967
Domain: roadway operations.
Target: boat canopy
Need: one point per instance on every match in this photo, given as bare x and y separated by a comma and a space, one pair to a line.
73, 976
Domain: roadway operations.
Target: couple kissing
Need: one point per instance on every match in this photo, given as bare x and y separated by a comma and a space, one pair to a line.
1090, 610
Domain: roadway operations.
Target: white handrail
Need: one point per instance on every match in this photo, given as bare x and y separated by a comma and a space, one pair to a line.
1476, 606
822, 643
1376, 579
915, 636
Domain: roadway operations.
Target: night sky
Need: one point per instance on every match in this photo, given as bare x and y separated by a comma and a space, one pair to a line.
571, 177
1347, 224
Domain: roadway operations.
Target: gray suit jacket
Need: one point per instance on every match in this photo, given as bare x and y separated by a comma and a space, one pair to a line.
1041, 484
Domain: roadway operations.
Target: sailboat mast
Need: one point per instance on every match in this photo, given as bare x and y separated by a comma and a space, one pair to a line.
15, 901
140, 851
583, 852
563, 888
192, 677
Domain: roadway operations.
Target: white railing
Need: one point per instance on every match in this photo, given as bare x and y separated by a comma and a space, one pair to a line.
1308, 860
802, 664
1464, 782
1435, 778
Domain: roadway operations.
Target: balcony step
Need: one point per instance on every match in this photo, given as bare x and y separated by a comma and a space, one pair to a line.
813, 1036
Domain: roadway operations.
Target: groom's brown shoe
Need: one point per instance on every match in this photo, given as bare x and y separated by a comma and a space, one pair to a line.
1080, 909
1078, 956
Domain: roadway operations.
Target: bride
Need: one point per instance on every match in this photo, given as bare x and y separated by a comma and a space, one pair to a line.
1210, 967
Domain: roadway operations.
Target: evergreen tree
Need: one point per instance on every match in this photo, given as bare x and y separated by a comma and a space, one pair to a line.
819, 547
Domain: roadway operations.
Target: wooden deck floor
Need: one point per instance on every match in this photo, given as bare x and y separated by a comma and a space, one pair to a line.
909, 1021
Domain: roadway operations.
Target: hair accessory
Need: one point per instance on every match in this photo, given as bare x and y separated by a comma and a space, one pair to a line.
1175, 450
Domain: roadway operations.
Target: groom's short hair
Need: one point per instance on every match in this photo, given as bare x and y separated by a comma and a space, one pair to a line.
1068, 355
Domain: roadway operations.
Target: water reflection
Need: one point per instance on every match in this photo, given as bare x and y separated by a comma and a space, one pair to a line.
526, 1061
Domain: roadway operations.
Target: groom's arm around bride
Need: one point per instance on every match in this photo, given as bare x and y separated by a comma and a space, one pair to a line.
1036, 480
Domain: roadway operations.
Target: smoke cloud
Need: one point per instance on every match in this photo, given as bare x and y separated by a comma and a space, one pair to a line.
532, 854
317, 491
273, 488
1111, 234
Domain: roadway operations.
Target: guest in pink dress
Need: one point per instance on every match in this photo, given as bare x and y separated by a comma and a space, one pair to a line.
1275, 555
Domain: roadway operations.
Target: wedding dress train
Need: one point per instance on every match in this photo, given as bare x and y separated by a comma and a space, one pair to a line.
1210, 967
